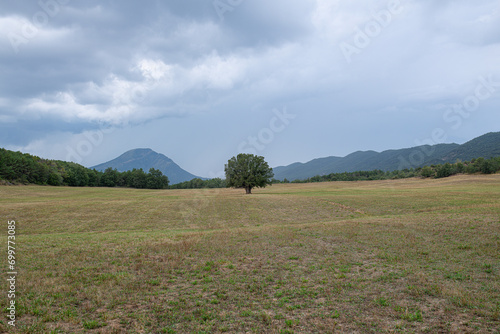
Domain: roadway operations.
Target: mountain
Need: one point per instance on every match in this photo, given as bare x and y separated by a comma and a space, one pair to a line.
146, 158
486, 146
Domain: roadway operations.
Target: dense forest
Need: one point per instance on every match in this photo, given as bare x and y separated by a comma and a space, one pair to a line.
19, 168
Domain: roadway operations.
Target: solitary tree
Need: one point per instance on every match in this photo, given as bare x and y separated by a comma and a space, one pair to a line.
248, 171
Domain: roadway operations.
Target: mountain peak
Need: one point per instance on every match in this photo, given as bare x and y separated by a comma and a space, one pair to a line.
142, 150
140, 153
146, 159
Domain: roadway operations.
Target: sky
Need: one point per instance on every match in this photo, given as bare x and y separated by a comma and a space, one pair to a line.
203, 80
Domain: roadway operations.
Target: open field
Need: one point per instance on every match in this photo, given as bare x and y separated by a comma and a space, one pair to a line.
381, 256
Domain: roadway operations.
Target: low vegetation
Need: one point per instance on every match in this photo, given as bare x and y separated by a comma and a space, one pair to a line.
413, 255
200, 184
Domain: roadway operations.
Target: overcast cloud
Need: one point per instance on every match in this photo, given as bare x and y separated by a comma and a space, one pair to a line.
201, 80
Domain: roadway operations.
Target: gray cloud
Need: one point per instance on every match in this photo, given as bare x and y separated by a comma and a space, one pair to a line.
66, 68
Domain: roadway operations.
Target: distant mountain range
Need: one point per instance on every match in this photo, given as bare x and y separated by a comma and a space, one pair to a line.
146, 158
486, 146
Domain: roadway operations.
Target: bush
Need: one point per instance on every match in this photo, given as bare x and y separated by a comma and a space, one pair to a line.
444, 171
55, 179
427, 172
489, 166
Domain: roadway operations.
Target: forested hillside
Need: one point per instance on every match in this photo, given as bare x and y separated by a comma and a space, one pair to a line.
475, 166
24, 168
485, 146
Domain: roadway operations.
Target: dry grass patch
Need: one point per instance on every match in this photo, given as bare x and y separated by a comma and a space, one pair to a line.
389, 256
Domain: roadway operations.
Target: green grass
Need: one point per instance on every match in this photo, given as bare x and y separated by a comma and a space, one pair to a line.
381, 256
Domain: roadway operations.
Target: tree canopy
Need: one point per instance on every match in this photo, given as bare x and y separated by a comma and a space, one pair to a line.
248, 171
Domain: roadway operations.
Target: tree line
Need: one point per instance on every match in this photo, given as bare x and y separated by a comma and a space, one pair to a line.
200, 184
23, 168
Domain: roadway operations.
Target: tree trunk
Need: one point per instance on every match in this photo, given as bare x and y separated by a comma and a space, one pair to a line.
248, 189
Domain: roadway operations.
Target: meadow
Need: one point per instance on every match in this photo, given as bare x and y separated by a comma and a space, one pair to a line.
398, 256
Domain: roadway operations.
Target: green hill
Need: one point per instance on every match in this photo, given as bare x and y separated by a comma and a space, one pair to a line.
486, 146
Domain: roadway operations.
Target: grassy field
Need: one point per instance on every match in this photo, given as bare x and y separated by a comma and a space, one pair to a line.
398, 256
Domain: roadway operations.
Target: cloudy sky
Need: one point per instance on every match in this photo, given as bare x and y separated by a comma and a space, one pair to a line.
201, 80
